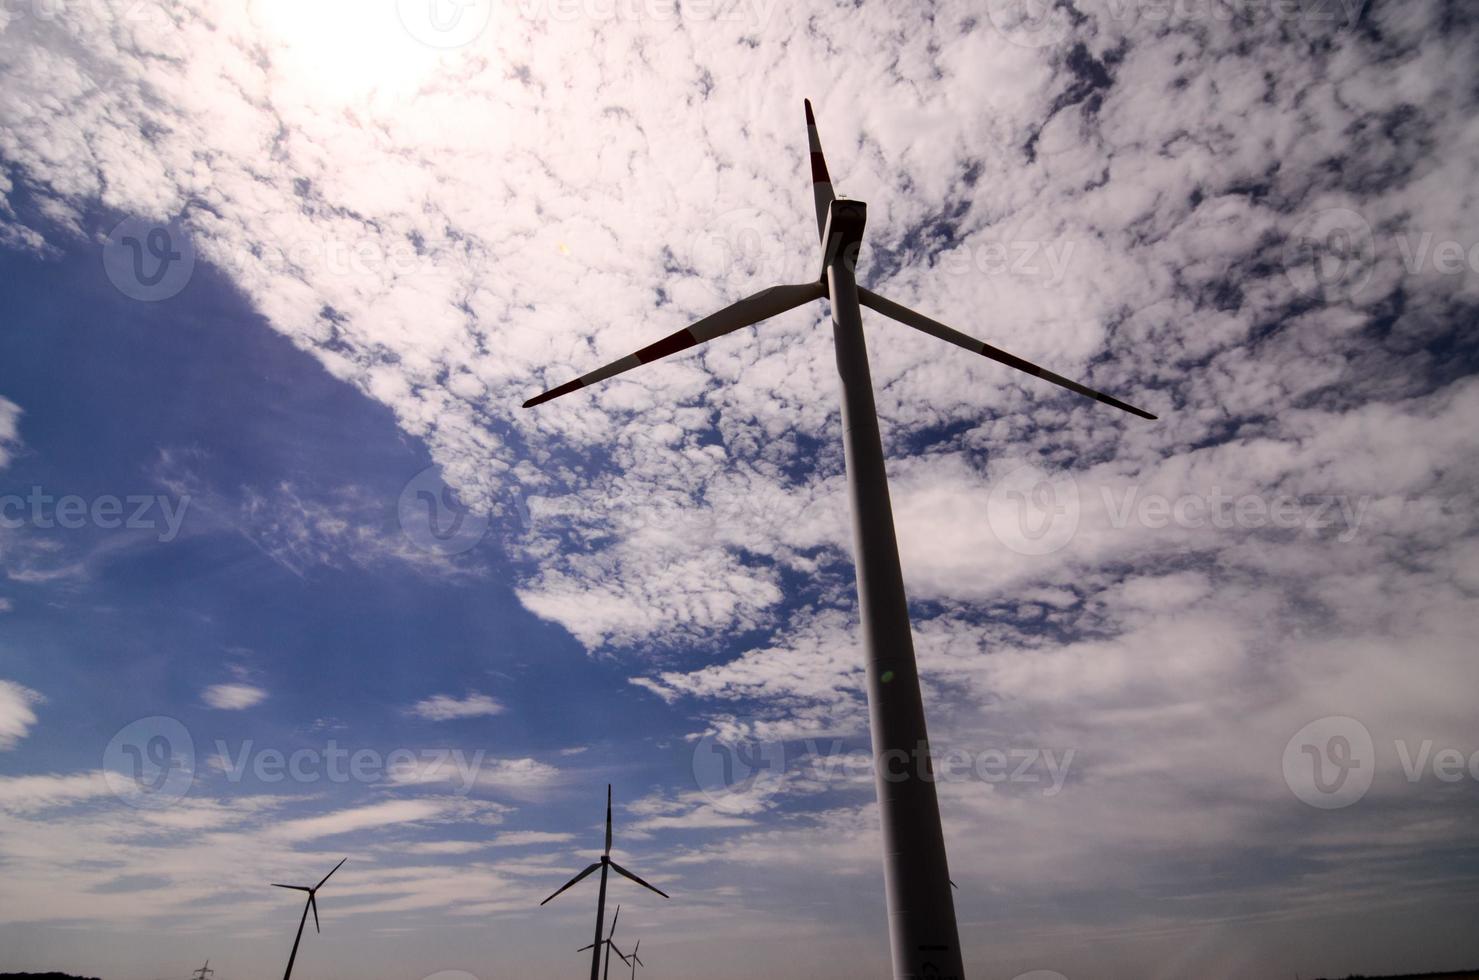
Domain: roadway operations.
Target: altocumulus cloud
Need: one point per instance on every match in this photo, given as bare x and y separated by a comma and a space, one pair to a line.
16, 712
444, 707
233, 697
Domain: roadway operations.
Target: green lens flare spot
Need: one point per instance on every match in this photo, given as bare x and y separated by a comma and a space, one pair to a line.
887, 677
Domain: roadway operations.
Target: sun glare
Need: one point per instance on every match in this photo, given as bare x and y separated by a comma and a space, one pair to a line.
342, 51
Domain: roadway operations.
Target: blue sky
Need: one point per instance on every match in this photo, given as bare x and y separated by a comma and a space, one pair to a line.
339, 645
1203, 686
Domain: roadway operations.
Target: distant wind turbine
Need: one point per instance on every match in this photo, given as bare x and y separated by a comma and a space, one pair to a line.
606, 974
603, 865
203, 972
922, 929
634, 960
312, 903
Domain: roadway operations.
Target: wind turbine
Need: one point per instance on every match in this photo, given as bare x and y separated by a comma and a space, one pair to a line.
634, 960
312, 903
922, 930
603, 865
609, 945
203, 972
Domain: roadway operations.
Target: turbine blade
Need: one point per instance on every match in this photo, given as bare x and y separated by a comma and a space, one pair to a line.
934, 328
821, 181
747, 312
623, 871
586, 947
608, 824
572, 881
612, 931
329, 875
296, 888
313, 904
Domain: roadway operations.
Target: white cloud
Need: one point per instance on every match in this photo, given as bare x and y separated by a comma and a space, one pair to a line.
525, 838
442, 848
463, 772
10, 416
373, 816
444, 707
17, 714
233, 697
40, 792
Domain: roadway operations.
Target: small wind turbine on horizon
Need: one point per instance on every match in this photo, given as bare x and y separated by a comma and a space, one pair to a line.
203, 972
922, 929
312, 903
609, 944
603, 865
634, 960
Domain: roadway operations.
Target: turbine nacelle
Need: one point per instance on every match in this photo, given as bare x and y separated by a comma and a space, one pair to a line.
842, 235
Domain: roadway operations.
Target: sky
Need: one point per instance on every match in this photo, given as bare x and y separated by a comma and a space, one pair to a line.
287, 576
